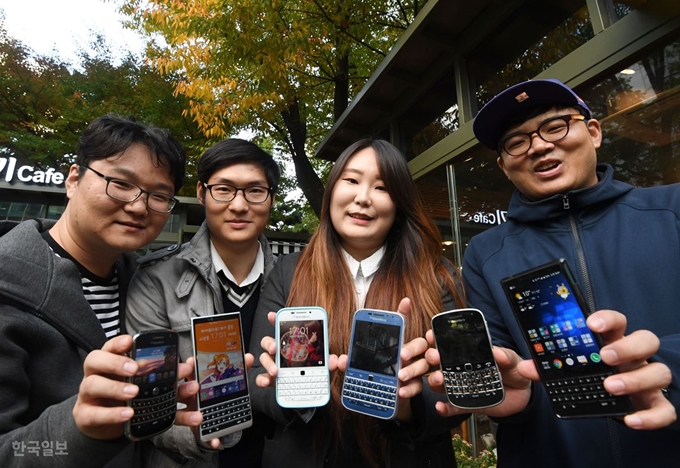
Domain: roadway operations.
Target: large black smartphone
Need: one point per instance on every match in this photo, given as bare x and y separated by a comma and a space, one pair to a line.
155, 352
223, 397
552, 312
471, 376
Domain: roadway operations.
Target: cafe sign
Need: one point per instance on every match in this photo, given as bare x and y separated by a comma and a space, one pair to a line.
29, 174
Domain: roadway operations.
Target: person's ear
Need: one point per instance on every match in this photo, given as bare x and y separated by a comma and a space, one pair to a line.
501, 164
72, 180
595, 131
200, 192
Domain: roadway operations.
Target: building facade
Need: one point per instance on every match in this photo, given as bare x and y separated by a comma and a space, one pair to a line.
28, 192
621, 57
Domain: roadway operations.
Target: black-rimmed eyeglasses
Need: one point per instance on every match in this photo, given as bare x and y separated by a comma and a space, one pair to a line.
127, 192
551, 131
226, 192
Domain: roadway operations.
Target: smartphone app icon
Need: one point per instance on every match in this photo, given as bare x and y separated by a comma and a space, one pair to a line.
539, 347
557, 363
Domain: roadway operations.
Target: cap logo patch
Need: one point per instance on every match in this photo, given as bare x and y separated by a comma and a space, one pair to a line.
522, 97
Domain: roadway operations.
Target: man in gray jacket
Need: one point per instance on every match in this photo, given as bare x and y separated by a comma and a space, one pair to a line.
222, 269
62, 289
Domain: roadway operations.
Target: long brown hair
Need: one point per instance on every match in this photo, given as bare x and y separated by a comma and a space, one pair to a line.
411, 267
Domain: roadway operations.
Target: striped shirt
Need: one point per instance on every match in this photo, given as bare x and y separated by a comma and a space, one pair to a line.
102, 294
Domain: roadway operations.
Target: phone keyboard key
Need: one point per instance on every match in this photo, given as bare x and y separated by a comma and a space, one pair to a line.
577, 392
482, 382
156, 410
369, 394
302, 388
225, 415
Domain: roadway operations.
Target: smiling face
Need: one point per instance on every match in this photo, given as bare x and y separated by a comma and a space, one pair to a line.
96, 225
361, 210
237, 222
554, 168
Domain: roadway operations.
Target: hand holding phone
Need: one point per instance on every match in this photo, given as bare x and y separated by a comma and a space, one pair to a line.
471, 376
302, 357
371, 383
221, 372
552, 314
156, 403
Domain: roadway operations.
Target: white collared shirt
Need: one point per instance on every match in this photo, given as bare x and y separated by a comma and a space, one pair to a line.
255, 272
363, 272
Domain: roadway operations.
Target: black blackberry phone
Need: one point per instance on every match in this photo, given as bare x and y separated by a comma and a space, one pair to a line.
552, 312
471, 376
155, 352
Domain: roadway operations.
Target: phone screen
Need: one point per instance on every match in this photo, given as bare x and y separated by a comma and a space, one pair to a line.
375, 347
552, 317
157, 366
220, 361
302, 343
462, 338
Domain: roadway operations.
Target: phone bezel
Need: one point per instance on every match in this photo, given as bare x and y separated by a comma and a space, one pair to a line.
471, 400
374, 316
302, 314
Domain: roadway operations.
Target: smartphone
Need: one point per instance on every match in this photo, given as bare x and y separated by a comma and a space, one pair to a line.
219, 357
303, 379
471, 376
552, 312
370, 384
155, 352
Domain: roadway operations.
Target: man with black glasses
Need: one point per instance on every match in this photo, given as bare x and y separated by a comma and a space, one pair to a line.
623, 245
222, 269
62, 297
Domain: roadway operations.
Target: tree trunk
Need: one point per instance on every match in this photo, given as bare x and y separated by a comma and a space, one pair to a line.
307, 178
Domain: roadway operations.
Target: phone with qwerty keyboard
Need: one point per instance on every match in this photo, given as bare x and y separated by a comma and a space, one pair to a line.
155, 405
370, 385
552, 311
303, 379
471, 376
223, 397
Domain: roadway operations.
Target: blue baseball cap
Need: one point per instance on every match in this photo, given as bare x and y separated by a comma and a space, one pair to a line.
493, 119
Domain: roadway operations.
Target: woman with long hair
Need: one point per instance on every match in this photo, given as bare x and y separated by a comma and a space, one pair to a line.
375, 245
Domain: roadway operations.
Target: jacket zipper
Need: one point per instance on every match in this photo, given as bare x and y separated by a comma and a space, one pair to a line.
590, 299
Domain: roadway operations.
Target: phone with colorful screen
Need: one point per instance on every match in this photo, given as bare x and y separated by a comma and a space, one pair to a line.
552, 313
303, 379
219, 357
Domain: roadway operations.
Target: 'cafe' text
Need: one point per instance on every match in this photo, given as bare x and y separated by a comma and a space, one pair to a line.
28, 174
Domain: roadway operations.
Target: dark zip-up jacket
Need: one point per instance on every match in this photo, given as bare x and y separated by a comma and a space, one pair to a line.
47, 328
623, 245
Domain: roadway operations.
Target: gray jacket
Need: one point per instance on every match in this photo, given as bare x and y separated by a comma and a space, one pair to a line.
46, 331
170, 287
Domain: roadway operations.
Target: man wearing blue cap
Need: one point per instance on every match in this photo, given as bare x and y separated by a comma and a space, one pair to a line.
623, 244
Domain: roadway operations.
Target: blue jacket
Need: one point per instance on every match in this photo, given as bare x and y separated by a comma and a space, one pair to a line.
623, 246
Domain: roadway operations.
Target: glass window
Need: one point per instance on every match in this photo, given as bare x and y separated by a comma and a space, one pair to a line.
432, 118
535, 37
34, 210
435, 192
4, 210
16, 211
55, 212
639, 110
172, 224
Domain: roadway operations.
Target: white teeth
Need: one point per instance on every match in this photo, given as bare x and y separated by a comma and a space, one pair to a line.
547, 168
